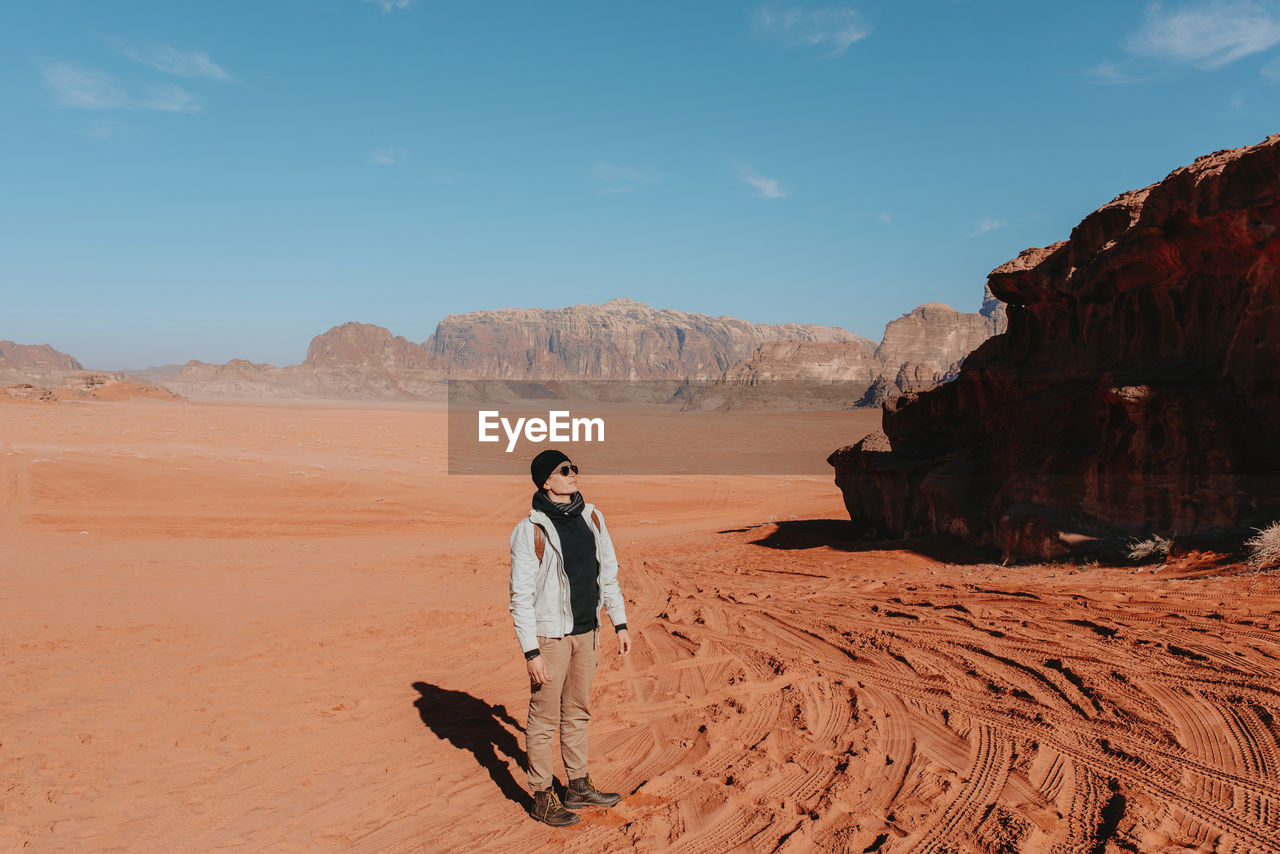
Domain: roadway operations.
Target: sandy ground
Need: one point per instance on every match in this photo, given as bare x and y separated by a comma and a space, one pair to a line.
284, 628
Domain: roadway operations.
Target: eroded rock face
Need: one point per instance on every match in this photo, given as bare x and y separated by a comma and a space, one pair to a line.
352, 344
618, 340
1136, 391
815, 361
920, 350
925, 348
362, 360
35, 364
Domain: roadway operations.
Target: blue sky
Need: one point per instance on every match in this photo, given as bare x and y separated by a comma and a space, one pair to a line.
226, 179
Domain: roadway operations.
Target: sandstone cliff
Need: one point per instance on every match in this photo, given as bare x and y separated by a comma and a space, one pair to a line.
1136, 391
365, 361
920, 350
925, 348
619, 340
815, 361
35, 364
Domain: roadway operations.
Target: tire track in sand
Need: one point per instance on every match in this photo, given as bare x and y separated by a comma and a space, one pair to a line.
1058, 698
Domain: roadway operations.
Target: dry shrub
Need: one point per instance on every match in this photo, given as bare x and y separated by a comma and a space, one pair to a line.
1153, 546
1264, 547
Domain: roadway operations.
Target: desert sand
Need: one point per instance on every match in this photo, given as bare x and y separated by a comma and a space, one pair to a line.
284, 628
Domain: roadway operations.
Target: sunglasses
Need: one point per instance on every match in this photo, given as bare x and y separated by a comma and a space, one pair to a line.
564, 470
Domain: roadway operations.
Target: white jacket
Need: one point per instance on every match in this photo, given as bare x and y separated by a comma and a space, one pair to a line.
540, 603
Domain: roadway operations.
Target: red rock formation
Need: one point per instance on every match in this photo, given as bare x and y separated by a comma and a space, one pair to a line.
920, 350
1137, 389
365, 344
31, 363
925, 348
361, 360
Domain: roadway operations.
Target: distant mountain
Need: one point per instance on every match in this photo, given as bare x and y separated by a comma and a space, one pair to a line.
239, 378
158, 373
920, 350
619, 340
87, 385
38, 364
926, 347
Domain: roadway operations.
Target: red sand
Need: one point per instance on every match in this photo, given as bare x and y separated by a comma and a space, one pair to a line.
284, 628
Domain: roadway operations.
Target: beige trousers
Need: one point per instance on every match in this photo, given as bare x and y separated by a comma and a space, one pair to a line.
562, 702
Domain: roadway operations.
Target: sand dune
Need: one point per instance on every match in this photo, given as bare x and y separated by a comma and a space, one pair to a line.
284, 628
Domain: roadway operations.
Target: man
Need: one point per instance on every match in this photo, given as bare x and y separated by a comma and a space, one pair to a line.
562, 568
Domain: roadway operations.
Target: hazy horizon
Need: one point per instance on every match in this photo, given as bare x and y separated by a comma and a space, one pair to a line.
422, 341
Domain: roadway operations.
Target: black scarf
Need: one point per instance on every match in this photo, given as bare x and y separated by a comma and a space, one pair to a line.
559, 512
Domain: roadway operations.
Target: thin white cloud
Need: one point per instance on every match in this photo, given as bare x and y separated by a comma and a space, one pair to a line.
1271, 71
389, 5
985, 225
1207, 35
170, 60
886, 217
167, 98
613, 178
86, 89
83, 89
1110, 73
447, 176
765, 188
1237, 102
832, 29
387, 156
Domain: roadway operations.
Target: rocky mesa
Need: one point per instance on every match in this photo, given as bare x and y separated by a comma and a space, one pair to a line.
618, 340
1136, 391
621, 339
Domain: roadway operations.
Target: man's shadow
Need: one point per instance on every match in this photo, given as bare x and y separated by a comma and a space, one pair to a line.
472, 724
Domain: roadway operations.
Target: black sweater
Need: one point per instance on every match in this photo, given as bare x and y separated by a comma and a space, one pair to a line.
578, 548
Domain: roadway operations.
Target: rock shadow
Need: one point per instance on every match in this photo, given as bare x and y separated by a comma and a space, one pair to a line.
484, 730
845, 535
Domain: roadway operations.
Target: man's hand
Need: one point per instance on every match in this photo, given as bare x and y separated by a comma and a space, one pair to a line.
537, 670
624, 642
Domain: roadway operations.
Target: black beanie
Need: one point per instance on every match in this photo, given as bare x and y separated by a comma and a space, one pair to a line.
544, 464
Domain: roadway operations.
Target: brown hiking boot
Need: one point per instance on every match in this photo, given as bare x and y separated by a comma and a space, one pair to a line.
583, 793
548, 809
